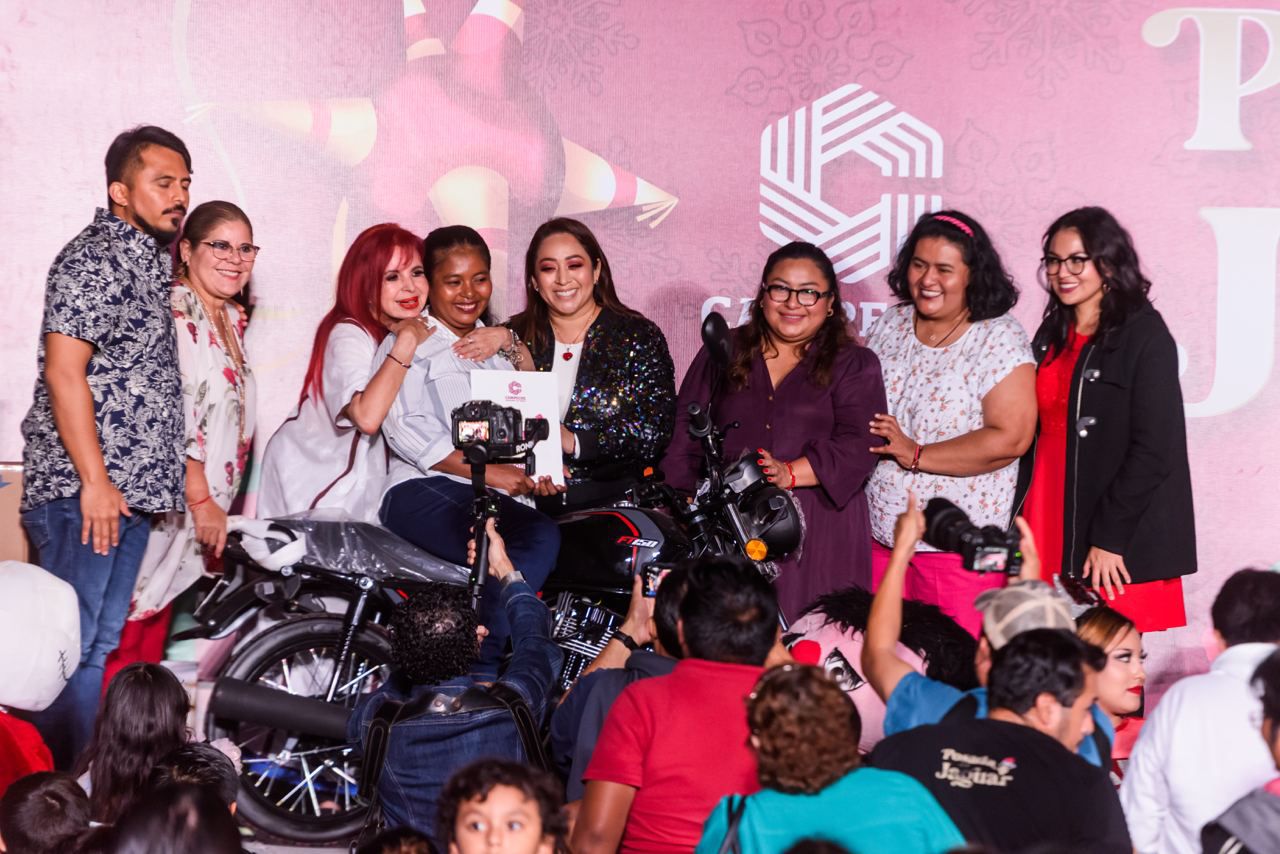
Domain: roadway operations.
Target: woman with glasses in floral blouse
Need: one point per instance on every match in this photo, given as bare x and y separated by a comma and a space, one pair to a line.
216, 257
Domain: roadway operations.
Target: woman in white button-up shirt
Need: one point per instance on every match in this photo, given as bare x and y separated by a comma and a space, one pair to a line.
428, 498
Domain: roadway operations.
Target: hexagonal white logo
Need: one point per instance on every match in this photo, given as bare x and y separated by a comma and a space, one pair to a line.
850, 120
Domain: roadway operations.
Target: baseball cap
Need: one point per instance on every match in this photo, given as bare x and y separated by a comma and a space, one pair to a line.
1020, 607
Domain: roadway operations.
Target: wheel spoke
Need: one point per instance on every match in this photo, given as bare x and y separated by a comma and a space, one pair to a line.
311, 789
367, 669
290, 778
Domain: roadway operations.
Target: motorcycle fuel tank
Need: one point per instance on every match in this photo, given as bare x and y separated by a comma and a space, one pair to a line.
602, 549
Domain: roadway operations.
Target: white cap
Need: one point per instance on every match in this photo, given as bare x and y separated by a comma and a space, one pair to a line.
39, 633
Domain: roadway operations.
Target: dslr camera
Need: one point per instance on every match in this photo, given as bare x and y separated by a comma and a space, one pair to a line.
988, 549
488, 432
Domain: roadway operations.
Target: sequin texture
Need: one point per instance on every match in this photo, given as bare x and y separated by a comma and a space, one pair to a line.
623, 404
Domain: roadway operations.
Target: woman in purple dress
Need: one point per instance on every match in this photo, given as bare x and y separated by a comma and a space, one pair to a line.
803, 391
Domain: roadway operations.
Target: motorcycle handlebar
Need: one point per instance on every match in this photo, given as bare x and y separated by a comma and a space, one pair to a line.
243, 701
699, 421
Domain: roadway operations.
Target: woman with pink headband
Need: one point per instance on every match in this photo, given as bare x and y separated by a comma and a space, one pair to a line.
960, 382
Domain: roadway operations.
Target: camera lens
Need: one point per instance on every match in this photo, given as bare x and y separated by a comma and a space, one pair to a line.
945, 525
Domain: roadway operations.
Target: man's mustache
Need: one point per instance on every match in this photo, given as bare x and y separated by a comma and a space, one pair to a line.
178, 209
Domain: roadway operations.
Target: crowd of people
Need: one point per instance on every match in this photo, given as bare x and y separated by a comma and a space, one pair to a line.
911, 704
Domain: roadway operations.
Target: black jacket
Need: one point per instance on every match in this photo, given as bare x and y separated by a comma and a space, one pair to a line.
1128, 485
623, 404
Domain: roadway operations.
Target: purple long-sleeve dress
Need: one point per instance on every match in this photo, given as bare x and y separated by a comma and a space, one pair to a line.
827, 425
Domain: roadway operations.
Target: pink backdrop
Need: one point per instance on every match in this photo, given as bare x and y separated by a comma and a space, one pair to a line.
691, 136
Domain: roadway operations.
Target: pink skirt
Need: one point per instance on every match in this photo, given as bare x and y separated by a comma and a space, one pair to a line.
939, 579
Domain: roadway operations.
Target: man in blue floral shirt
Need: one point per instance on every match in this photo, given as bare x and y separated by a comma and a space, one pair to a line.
104, 436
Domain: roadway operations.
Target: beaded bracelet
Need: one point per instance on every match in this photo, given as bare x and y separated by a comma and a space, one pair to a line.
791, 472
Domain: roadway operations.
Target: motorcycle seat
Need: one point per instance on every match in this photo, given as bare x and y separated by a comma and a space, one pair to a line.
335, 543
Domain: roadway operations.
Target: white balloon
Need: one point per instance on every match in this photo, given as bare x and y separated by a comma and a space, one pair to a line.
40, 633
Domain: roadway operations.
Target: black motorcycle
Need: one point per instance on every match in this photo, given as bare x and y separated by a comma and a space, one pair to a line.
332, 584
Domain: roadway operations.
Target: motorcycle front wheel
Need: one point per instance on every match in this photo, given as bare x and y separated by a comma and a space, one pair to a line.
295, 786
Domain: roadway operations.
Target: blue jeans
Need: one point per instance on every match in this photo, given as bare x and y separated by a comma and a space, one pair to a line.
104, 587
435, 514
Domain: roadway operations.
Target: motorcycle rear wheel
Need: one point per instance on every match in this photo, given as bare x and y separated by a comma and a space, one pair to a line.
294, 786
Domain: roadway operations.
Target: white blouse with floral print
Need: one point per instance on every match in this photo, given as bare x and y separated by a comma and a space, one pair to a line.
936, 394
216, 435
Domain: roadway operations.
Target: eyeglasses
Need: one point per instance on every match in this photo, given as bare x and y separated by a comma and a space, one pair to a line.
222, 250
1075, 264
804, 296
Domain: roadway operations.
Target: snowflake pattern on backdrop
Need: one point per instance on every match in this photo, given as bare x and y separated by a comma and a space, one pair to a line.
813, 48
566, 42
1048, 38
733, 269
1014, 180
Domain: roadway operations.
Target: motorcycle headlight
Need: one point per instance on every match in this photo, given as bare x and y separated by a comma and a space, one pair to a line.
769, 515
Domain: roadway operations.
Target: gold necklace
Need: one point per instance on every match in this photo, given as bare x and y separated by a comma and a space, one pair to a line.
909, 380
226, 342
915, 329
582, 333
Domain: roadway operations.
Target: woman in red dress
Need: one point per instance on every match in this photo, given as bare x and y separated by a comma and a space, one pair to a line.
1110, 494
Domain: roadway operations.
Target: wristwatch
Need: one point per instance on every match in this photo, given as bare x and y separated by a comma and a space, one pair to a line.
511, 578
627, 640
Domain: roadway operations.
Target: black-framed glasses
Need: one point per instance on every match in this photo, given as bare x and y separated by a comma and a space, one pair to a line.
1075, 264
222, 250
804, 296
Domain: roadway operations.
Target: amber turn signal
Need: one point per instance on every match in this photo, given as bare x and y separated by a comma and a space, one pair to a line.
756, 549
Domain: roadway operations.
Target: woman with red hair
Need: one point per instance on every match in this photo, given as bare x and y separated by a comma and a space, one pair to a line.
330, 452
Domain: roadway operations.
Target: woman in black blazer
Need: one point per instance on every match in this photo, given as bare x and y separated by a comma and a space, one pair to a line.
613, 369
1110, 491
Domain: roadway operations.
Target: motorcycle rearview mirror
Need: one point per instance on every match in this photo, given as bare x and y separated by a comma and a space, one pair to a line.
715, 337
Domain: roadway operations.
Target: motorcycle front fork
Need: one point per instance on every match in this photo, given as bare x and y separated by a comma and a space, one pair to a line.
351, 626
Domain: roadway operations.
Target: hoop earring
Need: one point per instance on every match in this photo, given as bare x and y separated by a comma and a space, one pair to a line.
830, 312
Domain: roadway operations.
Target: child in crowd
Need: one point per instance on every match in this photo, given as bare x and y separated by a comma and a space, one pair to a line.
198, 764
399, 840
143, 717
180, 819
43, 813
499, 806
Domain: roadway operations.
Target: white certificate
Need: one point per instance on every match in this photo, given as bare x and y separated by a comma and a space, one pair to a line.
535, 394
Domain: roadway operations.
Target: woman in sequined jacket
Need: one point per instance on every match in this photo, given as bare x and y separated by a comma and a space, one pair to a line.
612, 365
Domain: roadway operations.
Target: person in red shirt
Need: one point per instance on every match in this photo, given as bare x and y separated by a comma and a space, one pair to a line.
673, 745
22, 750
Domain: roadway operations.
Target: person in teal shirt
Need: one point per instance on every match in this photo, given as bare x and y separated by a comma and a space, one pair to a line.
804, 733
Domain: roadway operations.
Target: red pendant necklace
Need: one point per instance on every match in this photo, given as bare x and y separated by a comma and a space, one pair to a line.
567, 355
